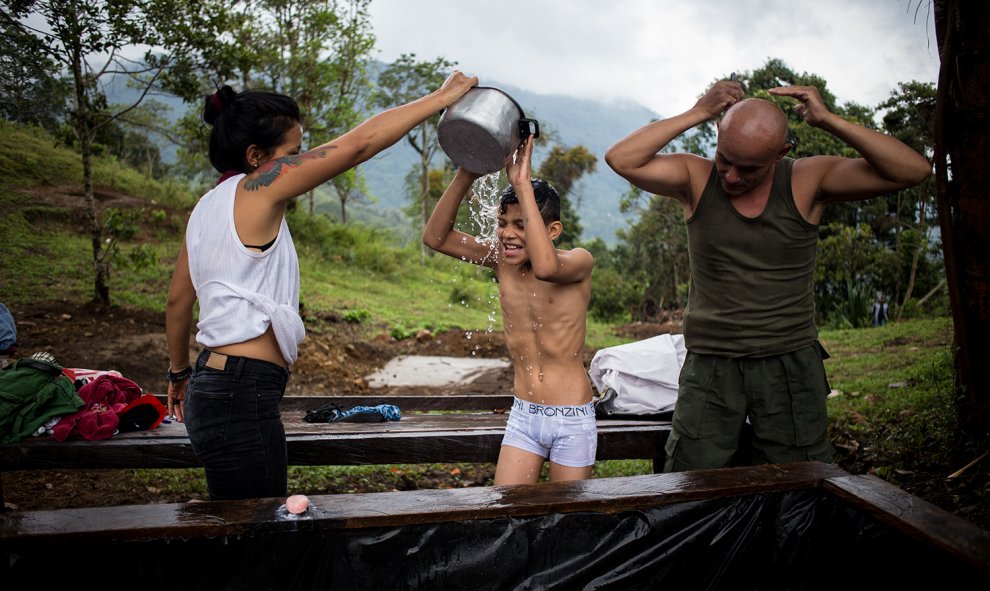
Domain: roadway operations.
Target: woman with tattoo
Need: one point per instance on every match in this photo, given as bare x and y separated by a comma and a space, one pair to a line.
239, 262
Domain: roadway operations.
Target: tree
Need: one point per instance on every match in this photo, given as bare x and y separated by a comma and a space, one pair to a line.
316, 52
135, 145
888, 217
87, 39
349, 186
30, 88
403, 81
655, 249
962, 150
909, 117
850, 262
563, 168
893, 228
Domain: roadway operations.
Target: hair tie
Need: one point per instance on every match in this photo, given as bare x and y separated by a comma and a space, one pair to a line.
216, 102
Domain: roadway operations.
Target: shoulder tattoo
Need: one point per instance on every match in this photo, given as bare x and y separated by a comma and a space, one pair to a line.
271, 170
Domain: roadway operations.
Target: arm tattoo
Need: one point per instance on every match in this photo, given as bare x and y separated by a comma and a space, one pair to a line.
271, 170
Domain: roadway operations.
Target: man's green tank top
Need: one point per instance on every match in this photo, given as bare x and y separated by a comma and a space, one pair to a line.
752, 279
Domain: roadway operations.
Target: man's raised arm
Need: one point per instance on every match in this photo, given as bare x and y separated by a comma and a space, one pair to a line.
636, 157
887, 164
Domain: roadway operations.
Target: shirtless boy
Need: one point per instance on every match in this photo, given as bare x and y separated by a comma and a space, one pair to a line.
544, 294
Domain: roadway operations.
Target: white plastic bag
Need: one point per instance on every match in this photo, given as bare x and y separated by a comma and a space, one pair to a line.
643, 376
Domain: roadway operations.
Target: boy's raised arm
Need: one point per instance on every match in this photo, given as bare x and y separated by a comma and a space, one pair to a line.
439, 233
549, 264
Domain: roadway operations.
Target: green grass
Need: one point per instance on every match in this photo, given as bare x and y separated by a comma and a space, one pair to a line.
41, 260
29, 157
896, 401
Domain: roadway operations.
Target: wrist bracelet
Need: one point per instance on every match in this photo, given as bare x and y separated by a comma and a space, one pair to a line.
178, 376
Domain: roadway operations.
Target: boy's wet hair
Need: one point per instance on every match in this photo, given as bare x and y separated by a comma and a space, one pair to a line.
240, 119
547, 200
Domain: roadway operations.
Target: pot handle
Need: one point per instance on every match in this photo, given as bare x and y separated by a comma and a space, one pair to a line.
529, 127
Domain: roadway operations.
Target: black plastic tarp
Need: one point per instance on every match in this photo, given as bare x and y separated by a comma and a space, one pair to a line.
792, 540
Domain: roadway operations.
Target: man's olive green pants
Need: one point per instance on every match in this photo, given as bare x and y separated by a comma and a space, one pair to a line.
783, 398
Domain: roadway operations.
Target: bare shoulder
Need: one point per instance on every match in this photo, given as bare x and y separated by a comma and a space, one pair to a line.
577, 251
576, 264
809, 173
812, 167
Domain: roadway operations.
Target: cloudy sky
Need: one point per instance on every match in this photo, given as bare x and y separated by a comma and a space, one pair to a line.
664, 53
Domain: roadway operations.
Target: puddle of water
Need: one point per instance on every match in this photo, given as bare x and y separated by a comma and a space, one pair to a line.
428, 370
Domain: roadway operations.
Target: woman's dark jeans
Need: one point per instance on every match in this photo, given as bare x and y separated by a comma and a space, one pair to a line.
234, 423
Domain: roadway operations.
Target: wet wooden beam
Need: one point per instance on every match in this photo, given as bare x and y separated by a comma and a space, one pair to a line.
223, 535
260, 517
416, 438
914, 517
405, 400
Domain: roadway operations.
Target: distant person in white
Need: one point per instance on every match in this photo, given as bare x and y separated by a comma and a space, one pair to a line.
880, 312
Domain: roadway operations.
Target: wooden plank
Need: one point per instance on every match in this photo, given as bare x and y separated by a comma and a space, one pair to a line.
409, 401
915, 517
405, 400
462, 437
351, 511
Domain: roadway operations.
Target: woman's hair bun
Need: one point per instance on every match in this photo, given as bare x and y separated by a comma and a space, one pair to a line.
217, 102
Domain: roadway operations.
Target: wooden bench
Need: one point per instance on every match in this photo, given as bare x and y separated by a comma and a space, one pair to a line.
806, 525
469, 430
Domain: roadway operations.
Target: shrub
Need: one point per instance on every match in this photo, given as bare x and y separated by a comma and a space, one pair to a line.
357, 316
612, 295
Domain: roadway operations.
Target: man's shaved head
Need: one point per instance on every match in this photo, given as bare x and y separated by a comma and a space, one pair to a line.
751, 139
754, 126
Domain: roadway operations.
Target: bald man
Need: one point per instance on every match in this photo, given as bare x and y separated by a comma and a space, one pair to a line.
752, 217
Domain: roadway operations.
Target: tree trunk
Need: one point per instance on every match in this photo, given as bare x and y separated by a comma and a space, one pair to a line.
83, 128
922, 246
962, 166
424, 160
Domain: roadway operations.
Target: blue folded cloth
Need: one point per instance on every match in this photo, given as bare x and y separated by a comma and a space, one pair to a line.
367, 414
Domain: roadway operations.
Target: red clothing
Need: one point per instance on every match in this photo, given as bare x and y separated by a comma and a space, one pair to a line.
104, 398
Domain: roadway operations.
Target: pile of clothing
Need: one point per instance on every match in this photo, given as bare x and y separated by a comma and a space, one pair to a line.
39, 397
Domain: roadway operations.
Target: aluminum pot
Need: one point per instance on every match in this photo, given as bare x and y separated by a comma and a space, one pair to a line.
483, 128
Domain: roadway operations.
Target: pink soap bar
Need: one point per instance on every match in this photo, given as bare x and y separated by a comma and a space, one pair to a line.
296, 504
